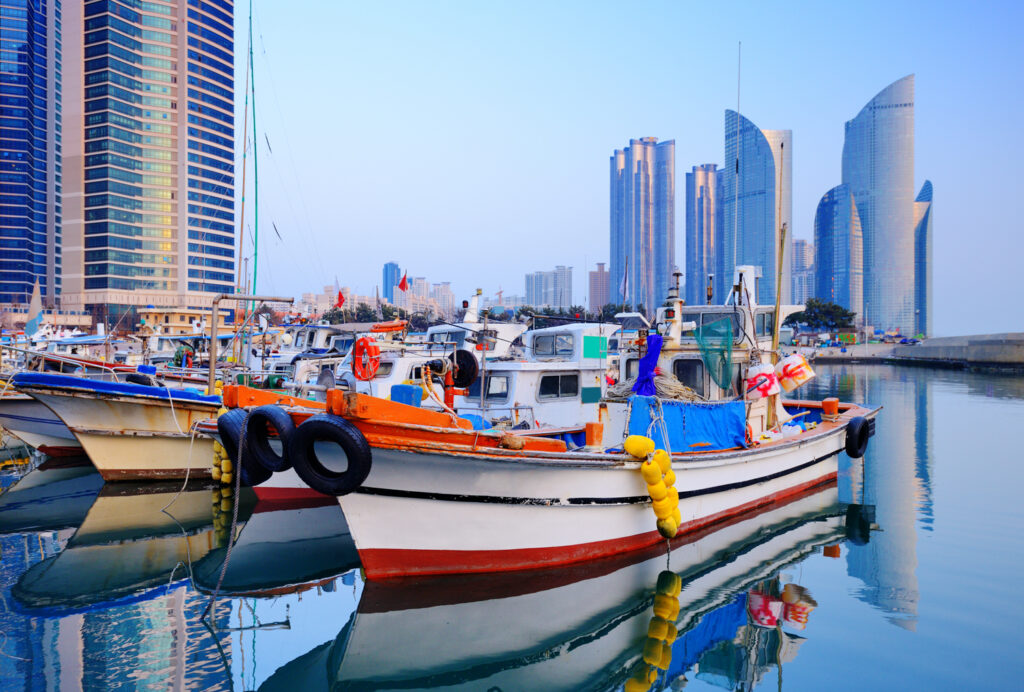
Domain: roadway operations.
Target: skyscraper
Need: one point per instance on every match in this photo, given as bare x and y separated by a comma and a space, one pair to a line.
30, 150
598, 288
149, 155
701, 213
551, 289
757, 178
392, 275
923, 260
878, 167
838, 251
642, 221
803, 271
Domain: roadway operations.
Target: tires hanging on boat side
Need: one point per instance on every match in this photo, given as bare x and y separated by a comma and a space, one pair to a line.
857, 433
332, 429
466, 367
257, 437
230, 426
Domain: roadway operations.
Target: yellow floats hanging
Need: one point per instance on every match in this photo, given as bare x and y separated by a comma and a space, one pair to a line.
656, 469
661, 632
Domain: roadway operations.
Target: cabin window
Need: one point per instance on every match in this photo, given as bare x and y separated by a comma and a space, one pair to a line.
497, 388
383, 370
553, 345
765, 323
631, 366
458, 338
559, 386
691, 373
486, 337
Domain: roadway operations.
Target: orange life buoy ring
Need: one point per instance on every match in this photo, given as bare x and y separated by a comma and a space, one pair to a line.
365, 358
392, 326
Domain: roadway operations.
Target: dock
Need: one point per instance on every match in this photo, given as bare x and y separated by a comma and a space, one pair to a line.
994, 352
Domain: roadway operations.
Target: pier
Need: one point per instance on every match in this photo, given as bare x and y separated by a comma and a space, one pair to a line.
981, 352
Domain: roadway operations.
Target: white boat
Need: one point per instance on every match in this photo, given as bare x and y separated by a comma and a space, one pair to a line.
53, 496
37, 426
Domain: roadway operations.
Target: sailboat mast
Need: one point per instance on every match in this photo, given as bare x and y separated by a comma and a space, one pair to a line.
255, 162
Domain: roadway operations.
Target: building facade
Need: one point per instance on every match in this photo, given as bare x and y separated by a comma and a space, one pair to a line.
839, 251
756, 200
550, 289
923, 260
642, 222
597, 292
30, 150
149, 174
878, 167
702, 211
392, 275
803, 271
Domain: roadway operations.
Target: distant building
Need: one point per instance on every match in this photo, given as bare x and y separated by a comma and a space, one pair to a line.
702, 211
803, 271
642, 221
444, 297
392, 275
30, 142
838, 251
180, 321
550, 289
598, 288
878, 167
757, 178
923, 260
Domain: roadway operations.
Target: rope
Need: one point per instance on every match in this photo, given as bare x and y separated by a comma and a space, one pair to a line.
665, 386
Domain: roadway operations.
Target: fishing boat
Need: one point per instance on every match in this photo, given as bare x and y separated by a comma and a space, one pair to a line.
37, 426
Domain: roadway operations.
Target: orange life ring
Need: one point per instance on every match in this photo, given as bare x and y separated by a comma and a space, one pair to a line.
365, 358
392, 326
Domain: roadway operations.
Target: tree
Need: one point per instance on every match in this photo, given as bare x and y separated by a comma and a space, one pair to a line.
364, 313
390, 312
819, 314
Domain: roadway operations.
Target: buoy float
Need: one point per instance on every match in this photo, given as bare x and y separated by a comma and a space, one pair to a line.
661, 632
656, 469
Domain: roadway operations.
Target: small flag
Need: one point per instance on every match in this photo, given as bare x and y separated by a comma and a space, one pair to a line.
403, 285
341, 298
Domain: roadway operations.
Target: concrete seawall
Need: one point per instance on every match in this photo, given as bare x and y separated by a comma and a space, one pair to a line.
983, 351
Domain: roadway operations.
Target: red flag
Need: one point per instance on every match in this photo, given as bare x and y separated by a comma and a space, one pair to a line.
404, 283
341, 300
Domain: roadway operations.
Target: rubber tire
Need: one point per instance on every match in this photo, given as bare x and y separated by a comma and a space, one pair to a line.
328, 428
230, 426
466, 368
140, 378
257, 437
857, 433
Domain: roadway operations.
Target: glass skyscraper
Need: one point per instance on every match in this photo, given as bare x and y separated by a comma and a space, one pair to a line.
757, 175
701, 213
642, 221
838, 251
923, 260
30, 149
878, 167
392, 275
149, 175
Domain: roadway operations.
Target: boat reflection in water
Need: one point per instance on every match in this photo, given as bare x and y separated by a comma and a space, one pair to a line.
55, 495
587, 626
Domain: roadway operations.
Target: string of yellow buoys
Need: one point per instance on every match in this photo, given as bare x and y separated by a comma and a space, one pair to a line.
223, 465
661, 632
656, 468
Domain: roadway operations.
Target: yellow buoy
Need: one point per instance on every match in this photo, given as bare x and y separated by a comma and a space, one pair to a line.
663, 508
651, 473
663, 460
674, 494
634, 685
666, 657
671, 633
678, 516
670, 477
668, 527
663, 606
652, 651
225, 478
658, 629
669, 583
638, 446
226, 466
216, 473
225, 505
657, 490
222, 410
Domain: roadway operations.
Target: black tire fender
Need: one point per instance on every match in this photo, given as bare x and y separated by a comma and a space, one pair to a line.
328, 428
230, 427
140, 378
857, 433
466, 367
257, 437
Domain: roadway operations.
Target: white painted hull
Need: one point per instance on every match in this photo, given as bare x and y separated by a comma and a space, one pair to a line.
36, 425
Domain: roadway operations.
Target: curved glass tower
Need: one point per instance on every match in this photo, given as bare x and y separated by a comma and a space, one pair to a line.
701, 212
758, 172
838, 268
923, 260
878, 166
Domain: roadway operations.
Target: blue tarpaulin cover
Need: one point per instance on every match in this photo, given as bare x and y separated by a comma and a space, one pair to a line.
692, 426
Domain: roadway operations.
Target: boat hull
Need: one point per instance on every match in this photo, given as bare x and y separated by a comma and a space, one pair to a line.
36, 425
424, 513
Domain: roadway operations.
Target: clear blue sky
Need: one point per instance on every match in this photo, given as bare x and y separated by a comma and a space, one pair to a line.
469, 141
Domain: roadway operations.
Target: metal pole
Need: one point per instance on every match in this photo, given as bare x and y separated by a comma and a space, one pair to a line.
238, 297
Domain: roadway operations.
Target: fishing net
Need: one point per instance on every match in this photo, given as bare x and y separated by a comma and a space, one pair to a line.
715, 342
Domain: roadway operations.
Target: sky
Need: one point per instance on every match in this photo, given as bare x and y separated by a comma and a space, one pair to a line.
469, 141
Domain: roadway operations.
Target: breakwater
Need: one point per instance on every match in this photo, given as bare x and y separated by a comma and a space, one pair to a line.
981, 351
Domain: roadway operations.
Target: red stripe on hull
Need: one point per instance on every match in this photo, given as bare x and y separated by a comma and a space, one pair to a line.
276, 499
386, 563
54, 451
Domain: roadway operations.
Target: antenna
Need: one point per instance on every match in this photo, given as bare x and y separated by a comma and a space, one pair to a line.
736, 190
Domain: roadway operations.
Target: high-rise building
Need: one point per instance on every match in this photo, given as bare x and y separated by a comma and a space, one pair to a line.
878, 166
149, 184
392, 275
30, 150
923, 260
757, 178
598, 288
838, 251
550, 289
701, 213
642, 221
803, 271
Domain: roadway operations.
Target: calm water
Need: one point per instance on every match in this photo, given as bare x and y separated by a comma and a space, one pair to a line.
904, 576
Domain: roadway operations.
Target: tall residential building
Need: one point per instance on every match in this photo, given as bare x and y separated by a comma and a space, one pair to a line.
642, 221
550, 289
838, 251
392, 275
803, 271
878, 166
701, 213
30, 150
149, 186
758, 179
923, 260
598, 288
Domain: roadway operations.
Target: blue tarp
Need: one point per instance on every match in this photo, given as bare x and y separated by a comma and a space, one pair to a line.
692, 427
720, 625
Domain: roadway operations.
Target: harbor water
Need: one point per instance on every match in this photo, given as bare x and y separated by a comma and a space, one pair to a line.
903, 575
